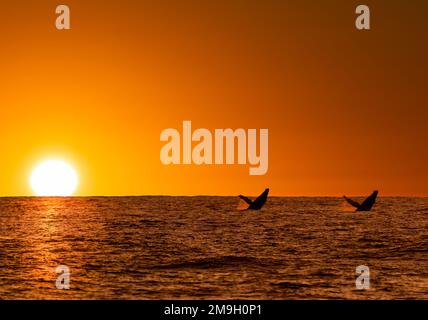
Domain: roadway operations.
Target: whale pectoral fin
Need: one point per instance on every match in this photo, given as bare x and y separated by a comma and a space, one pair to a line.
352, 202
261, 199
370, 201
264, 195
245, 199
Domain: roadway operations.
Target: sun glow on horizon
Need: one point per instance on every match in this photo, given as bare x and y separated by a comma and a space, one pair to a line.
54, 178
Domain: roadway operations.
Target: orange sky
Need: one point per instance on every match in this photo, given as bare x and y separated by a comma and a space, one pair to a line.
346, 110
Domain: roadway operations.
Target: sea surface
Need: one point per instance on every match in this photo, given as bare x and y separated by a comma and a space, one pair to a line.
206, 248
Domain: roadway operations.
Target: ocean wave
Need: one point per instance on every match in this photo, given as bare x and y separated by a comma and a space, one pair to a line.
216, 262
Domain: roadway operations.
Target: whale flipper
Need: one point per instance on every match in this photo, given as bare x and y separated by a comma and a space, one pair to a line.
352, 202
367, 203
246, 199
258, 203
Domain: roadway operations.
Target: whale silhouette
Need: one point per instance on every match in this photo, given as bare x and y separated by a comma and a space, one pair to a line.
366, 205
258, 203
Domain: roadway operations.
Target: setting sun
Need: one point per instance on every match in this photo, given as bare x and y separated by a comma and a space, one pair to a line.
54, 178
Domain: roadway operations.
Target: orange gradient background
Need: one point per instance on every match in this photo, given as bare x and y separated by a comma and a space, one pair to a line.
346, 110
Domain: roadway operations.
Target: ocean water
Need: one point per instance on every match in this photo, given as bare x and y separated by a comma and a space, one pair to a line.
205, 248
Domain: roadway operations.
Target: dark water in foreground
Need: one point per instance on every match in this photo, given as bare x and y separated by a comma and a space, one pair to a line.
202, 247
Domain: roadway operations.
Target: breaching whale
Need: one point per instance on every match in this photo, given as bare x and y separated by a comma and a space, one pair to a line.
366, 205
258, 203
